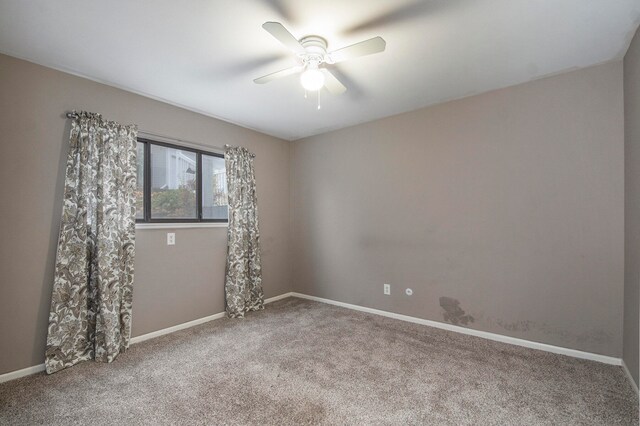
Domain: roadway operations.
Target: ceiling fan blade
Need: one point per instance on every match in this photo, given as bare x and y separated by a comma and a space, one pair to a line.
331, 82
367, 47
277, 30
281, 9
398, 15
278, 74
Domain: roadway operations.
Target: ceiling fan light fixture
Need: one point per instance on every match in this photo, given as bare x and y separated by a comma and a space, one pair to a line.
311, 53
312, 79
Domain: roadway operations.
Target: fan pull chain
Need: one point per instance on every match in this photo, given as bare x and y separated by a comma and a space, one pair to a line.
305, 93
319, 106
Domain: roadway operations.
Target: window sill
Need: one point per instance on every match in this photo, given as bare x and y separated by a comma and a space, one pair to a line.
181, 225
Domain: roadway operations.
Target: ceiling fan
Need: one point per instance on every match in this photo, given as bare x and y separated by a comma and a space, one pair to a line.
311, 52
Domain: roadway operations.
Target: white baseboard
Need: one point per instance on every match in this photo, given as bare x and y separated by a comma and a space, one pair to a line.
193, 323
280, 297
175, 328
12, 375
450, 327
463, 330
629, 376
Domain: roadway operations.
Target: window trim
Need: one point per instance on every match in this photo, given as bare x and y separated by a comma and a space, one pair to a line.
146, 187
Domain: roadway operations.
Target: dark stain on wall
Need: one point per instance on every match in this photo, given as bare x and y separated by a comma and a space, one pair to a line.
453, 313
519, 326
599, 337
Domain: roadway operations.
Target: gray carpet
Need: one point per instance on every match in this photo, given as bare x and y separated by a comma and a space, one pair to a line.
302, 362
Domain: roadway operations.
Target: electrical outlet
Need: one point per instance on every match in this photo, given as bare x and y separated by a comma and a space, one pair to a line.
387, 289
171, 239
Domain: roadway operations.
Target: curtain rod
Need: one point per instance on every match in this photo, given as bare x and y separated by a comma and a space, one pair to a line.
73, 114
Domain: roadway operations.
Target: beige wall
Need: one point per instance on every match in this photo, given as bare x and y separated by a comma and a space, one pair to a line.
510, 202
632, 205
173, 284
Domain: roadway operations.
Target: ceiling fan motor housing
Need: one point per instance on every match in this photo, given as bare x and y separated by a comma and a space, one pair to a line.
315, 50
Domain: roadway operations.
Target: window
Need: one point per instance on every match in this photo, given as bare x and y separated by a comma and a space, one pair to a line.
214, 187
179, 184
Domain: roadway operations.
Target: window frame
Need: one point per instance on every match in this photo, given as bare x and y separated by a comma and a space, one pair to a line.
146, 187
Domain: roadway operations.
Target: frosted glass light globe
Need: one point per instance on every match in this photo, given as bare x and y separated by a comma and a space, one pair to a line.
312, 79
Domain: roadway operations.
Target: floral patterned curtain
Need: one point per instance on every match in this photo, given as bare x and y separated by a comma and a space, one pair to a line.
243, 281
90, 315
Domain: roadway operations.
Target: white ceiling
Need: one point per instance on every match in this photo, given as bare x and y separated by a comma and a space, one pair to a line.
203, 55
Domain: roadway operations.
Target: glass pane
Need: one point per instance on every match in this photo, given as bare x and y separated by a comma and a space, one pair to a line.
140, 180
173, 183
214, 188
